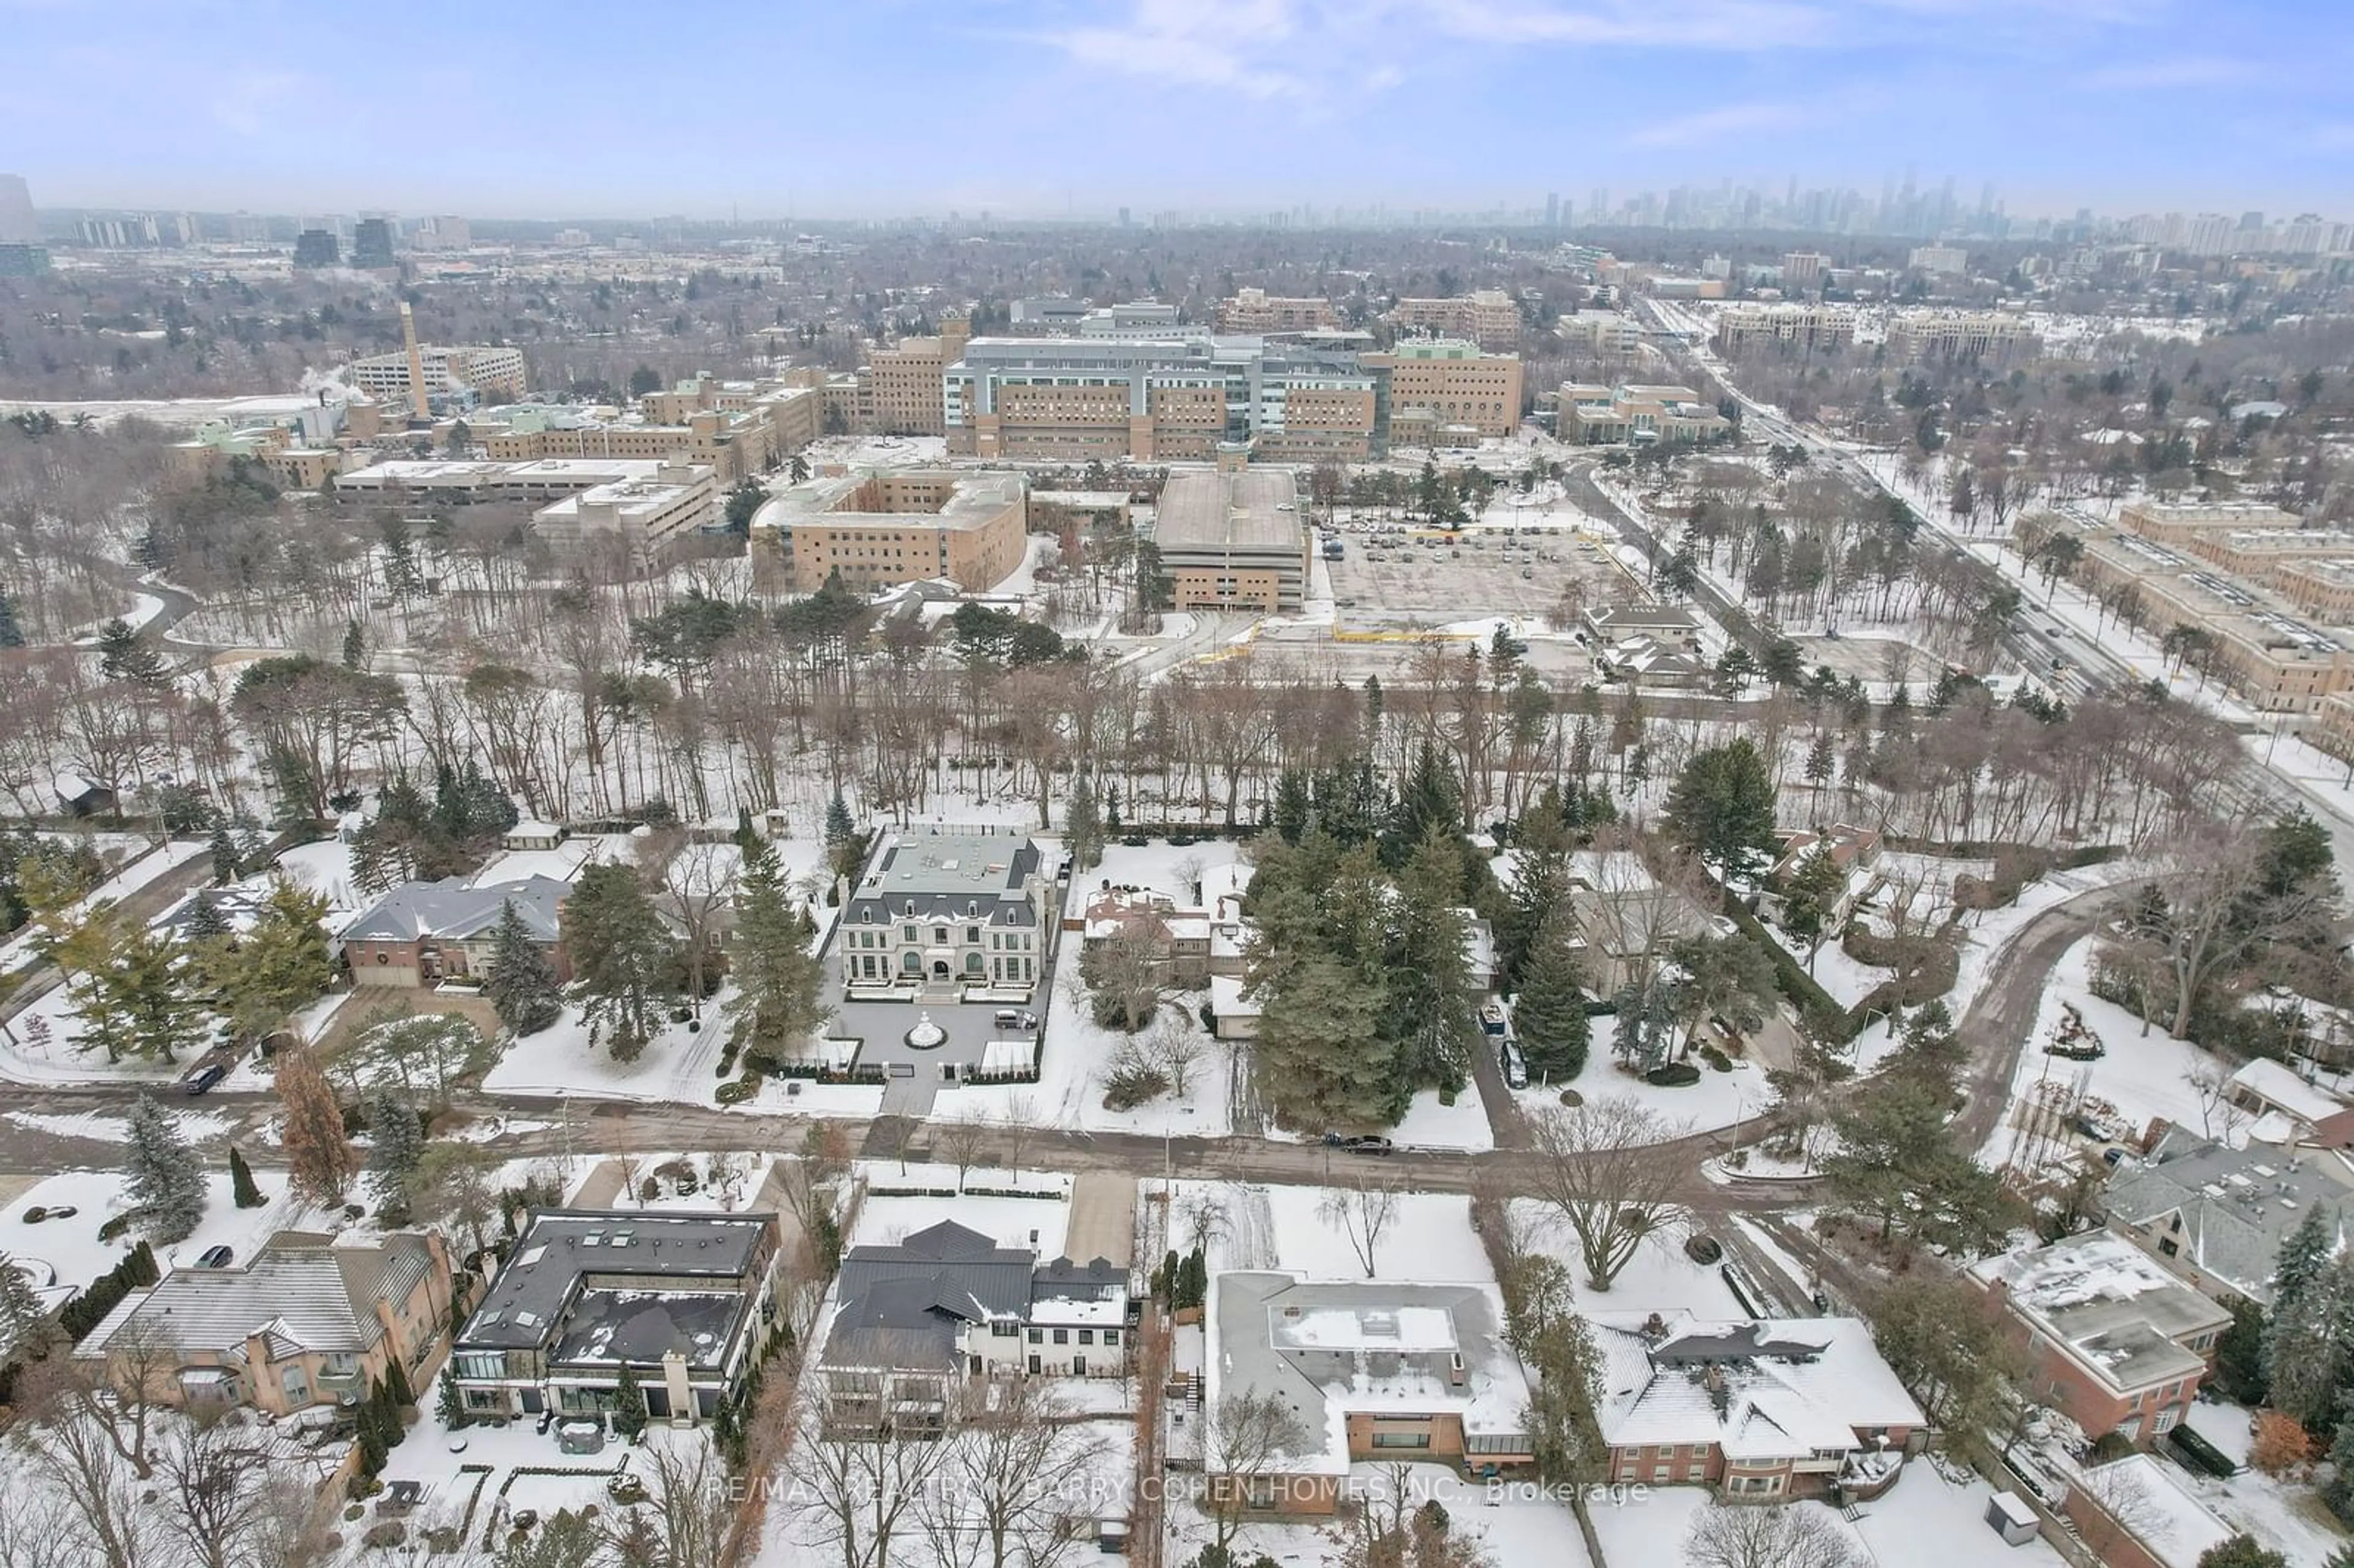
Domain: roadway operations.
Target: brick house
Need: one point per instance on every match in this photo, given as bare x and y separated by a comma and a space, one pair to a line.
423, 933
1178, 938
2113, 1339
306, 1323
1760, 1409
1374, 1370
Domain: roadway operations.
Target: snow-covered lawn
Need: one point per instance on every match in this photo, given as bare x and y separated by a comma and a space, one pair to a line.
1075, 1057
1519, 1526
2281, 1515
678, 1064
1038, 1223
1430, 1123
1427, 1237
2141, 1076
1718, 1100
71, 1249
1661, 1276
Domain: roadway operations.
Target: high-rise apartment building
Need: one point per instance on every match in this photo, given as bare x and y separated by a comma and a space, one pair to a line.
19, 223
1802, 270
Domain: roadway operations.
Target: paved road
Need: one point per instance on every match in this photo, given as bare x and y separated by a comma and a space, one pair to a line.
1998, 1022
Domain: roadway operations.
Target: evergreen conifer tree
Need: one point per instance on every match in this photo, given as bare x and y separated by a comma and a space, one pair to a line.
521, 984
166, 1185
24, 1321
398, 1144
241, 1184
623, 956
629, 1404
778, 978
451, 1403
1550, 1013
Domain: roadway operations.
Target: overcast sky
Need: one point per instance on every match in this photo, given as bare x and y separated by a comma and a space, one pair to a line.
876, 108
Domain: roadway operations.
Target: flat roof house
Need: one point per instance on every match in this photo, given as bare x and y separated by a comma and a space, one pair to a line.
2113, 1339
306, 1322
683, 1298
1757, 1408
1371, 1370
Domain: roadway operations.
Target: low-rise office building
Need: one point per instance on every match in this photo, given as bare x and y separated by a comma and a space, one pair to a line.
1233, 540
877, 530
1590, 414
651, 514
1489, 317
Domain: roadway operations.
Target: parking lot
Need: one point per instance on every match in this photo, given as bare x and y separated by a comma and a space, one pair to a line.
1394, 580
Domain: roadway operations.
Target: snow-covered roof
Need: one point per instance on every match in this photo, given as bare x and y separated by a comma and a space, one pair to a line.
2284, 1090
1331, 1349
2109, 1305
297, 1295
1761, 1389
2236, 1205
1227, 1000
452, 911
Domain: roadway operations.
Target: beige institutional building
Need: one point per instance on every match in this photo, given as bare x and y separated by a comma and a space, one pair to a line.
1232, 539
902, 382
1454, 382
489, 371
880, 529
1743, 327
1256, 311
1948, 335
1489, 317
650, 513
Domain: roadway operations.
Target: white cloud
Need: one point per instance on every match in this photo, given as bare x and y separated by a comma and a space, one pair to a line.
2163, 73
1712, 125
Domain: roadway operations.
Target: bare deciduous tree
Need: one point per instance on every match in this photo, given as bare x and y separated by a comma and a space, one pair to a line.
1245, 1436
1363, 1212
1609, 1173
997, 1502
1744, 1535
858, 1481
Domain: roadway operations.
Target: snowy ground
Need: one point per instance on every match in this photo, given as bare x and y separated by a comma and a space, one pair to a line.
678, 1064
1719, 1100
1429, 1123
1428, 1238
1039, 1223
1659, 1278
71, 1248
2281, 1515
2142, 1075
1516, 1525
1924, 1521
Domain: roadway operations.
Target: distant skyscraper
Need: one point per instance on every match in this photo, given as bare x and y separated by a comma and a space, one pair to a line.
2250, 222
18, 224
316, 248
1553, 209
372, 243
1123, 217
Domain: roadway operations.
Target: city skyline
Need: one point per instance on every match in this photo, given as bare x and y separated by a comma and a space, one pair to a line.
1227, 107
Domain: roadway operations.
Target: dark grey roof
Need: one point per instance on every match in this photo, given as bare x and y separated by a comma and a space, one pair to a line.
452, 910
642, 1327
965, 878
299, 1294
529, 1302
1098, 1279
906, 1300
1739, 1342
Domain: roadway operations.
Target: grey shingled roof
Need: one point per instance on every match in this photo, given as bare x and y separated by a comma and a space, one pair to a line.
2238, 1205
298, 1294
453, 911
901, 1304
684, 1254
